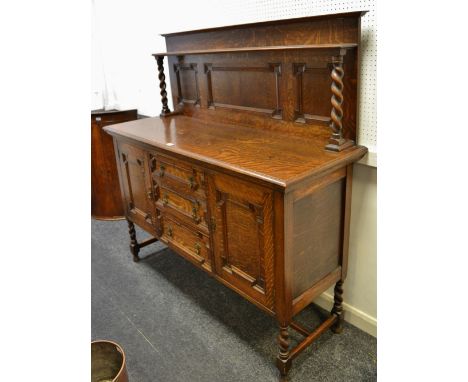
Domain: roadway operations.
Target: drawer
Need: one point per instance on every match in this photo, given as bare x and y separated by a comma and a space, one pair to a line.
178, 175
193, 244
190, 209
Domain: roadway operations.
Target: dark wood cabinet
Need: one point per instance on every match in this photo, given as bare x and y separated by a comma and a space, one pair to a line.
249, 178
106, 202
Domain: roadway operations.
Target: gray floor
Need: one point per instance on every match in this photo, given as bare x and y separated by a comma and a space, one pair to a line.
176, 323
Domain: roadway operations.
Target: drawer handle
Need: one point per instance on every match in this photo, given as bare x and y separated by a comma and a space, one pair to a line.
195, 216
192, 184
165, 199
170, 233
149, 193
197, 248
213, 224
162, 169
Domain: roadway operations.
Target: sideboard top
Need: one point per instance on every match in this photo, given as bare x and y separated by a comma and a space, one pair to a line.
271, 156
271, 22
338, 28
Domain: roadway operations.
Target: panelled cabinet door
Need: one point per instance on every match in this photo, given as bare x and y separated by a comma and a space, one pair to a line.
242, 229
136, 185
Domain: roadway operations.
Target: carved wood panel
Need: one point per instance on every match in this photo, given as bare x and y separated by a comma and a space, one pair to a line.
243, 236
233, 88
187, 83
136, 184
312, 89
244, 89
317, 232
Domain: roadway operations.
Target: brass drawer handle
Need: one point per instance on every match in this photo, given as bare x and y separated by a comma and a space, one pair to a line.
193, 185
162, 169
213, 224
149, 194
165, 199
195, 216
197, 248
170, 233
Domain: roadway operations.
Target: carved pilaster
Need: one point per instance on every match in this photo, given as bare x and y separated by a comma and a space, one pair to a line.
180, 98
337, 309
283, 361
336, 142
298, 70
208, 71
134, 247
278, 112
162, 85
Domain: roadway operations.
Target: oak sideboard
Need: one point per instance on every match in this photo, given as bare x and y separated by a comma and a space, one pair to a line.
249, 177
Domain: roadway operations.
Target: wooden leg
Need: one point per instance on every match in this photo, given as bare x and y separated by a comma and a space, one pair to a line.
337, 309
283, 361
334, 321
134, 246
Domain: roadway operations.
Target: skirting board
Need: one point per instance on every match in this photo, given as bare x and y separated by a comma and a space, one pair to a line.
352, 315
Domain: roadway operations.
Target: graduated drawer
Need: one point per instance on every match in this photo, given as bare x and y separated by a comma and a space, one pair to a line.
194, 244
190, 209
179, 176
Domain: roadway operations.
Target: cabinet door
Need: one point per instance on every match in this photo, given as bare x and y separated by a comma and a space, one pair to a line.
136, 186
242, 228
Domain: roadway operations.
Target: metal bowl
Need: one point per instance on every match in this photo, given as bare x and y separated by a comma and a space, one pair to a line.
107, 362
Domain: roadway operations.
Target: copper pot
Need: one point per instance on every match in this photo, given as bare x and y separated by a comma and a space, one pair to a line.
107, 362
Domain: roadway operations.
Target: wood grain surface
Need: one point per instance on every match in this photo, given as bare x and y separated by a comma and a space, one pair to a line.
237, 179
106, 201
268, 155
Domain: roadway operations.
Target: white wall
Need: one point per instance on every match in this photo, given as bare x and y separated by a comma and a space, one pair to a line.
125, 35
124, 72
362, 280
360, 287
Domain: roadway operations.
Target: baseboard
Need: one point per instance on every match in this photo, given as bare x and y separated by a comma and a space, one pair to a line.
352, 315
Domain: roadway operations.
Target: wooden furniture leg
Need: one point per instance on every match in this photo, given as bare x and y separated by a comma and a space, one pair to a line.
134, 245
337, 309
334, 322
285, 356
283, 361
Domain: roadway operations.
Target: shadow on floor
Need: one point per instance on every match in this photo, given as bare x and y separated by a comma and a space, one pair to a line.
178, 324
